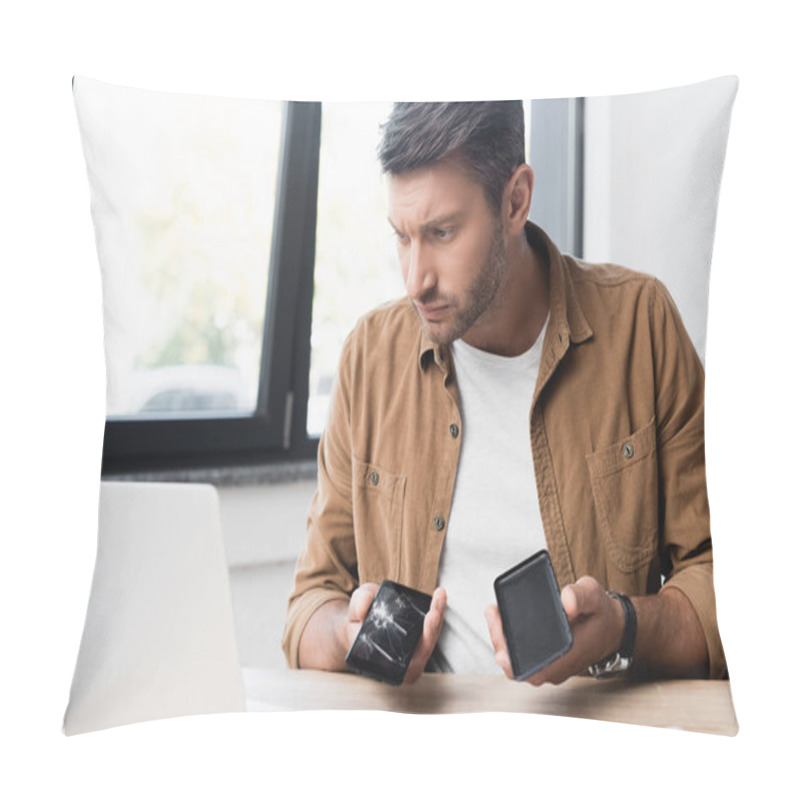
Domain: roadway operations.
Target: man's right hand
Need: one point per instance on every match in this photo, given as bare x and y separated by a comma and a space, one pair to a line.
333, 628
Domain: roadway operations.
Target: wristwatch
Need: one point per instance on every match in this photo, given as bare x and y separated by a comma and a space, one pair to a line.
623, 659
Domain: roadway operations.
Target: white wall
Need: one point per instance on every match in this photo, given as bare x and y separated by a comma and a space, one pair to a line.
263, 526
653, 164
264, 522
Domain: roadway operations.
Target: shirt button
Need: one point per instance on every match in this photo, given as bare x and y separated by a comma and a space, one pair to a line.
438, 522
454, 431
373, 478
627, 450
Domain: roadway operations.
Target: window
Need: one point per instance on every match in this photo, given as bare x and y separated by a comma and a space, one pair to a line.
188, 333
245, 222
211, 367
356, 260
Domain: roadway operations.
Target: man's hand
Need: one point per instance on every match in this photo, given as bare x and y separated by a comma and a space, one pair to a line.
669, 639
431, 629
333, 628
596, 620
360, 601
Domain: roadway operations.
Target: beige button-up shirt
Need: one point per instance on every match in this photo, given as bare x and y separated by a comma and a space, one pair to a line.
616, 432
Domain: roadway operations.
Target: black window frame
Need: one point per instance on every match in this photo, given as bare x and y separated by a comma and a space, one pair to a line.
276, 430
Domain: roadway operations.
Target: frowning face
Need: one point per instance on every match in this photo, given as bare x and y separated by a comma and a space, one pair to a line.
451, 247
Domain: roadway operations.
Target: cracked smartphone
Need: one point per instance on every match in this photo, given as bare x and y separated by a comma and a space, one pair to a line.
387, 638
534, 621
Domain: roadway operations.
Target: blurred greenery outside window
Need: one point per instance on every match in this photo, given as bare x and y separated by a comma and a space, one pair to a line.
186, 331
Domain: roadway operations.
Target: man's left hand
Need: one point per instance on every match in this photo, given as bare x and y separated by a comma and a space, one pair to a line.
597, 622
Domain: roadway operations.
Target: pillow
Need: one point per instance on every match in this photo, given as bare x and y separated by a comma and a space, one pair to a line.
652, 171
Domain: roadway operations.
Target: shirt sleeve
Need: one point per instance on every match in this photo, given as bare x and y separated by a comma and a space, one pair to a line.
687, 556
326, 568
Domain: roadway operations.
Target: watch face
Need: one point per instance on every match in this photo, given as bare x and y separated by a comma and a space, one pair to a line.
613, 665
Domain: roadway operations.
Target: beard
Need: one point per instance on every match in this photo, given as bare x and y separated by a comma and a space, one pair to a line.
479, 295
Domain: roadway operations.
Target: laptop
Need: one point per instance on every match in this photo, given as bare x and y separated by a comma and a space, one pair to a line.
159, 639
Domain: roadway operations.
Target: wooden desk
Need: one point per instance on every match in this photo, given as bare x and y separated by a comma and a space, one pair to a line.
703, 706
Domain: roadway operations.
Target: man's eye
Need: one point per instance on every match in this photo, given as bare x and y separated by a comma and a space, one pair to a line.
442, 233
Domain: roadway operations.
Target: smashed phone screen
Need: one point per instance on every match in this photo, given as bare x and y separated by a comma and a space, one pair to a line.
389, 635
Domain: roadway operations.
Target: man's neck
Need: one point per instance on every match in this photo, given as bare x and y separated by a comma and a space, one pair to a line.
514, 320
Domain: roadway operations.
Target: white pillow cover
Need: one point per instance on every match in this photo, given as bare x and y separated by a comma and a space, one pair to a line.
653, 165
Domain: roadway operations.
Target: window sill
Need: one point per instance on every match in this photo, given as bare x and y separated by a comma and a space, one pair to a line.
244, 475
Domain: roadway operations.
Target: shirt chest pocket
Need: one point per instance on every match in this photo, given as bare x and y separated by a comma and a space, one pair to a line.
378, 500
624, 479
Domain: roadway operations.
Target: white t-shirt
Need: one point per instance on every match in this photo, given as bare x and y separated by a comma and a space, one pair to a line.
494, 518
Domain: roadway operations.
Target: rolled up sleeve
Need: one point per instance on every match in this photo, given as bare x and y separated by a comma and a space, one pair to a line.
685, 519
326, 568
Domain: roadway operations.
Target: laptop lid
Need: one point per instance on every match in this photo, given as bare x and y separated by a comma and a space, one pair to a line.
159, 638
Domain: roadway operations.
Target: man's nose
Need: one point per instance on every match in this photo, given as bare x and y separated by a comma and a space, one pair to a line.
420, 275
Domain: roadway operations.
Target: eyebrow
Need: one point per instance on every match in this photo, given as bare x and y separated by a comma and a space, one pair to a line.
438, 222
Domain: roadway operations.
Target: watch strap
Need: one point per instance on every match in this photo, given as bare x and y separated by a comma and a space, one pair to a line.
622, 659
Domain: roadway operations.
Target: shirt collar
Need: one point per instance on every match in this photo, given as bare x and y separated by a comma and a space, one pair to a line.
566, 315
567, 320
431, 352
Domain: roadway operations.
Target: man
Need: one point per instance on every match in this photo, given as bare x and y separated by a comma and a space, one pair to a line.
516, 399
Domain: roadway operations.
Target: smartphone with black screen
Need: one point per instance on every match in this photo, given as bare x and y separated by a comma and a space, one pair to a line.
534, 621
389, 634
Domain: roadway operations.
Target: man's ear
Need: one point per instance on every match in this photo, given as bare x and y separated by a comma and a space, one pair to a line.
518, 195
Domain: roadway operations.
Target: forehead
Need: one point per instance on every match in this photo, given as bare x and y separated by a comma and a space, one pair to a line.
431, 192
